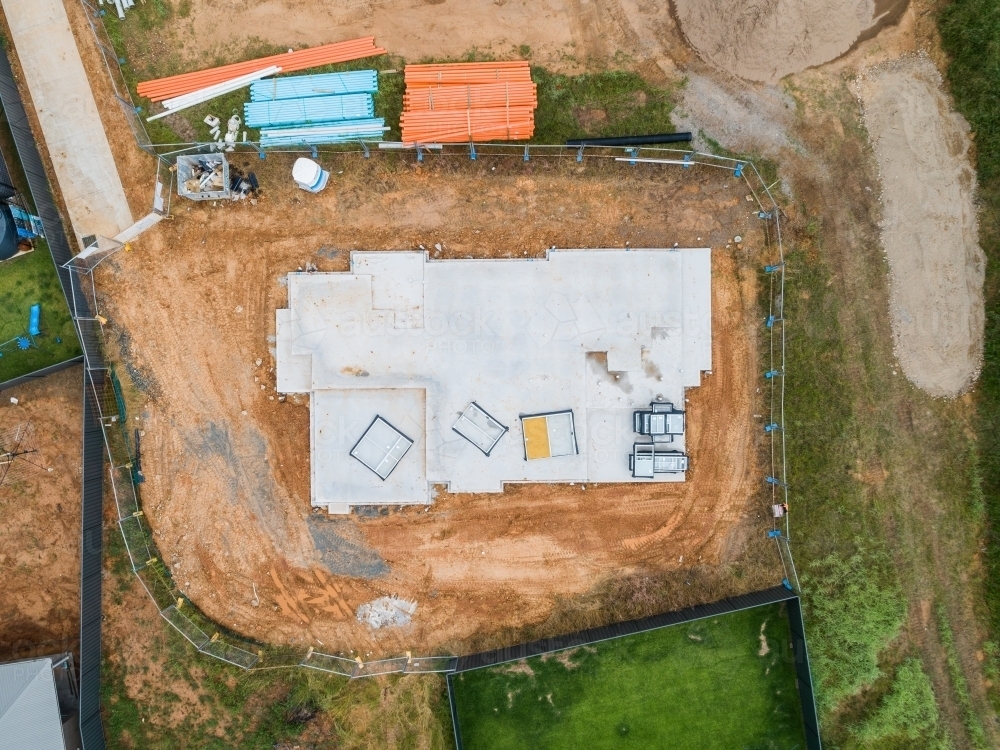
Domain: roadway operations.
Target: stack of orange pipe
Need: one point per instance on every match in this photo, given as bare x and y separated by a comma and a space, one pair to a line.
472, 96
184, 83
462, 102
457, 73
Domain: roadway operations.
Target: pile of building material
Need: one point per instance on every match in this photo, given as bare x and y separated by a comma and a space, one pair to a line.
352, 130
185, 83
225, 142
120, 6
303, 110
189, 89
203, 177
200, 96
387, 611
319, 84
316, 110
462, 102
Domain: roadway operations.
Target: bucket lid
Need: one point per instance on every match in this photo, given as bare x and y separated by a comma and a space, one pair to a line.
305, 170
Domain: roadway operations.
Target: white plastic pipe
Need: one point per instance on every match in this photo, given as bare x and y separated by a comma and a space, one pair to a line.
225, 86
211, 92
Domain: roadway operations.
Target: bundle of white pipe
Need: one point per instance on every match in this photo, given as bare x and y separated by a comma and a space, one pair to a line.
120, 6
184, 101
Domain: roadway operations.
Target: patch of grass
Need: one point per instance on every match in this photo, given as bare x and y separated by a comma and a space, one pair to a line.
960, 685
854, 605
25, 280
970, 34
907, 715
611, 103
707, 684
838, 421
884, 530
159, 693
858, 608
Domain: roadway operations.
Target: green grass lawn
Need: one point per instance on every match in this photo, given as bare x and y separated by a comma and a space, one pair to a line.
696, 686
24, 281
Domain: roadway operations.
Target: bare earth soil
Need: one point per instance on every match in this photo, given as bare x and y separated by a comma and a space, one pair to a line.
567, 34
929, 230
226, 460
198, 298
767, 41
40, 507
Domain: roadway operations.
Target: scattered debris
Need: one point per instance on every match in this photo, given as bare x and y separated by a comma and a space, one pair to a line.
243, 186
387, 611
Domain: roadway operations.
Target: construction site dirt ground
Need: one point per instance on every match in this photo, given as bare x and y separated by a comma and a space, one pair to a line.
40, 504
810, 125
226, 459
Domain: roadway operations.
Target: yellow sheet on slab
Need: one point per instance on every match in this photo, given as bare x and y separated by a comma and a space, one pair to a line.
536, 437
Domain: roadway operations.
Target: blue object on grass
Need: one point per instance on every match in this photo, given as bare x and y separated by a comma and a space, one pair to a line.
336, 132
23, 342
301, 112
319, 84
34, 320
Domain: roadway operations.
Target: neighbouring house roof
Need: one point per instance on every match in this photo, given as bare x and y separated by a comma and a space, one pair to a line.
29, 706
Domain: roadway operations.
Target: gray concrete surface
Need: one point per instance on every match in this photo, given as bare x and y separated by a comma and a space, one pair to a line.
600, 332
71, 125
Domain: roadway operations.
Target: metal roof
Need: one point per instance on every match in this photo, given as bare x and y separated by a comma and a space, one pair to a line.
29, 706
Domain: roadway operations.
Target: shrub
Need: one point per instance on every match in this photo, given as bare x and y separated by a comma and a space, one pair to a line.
855, 608
908, 711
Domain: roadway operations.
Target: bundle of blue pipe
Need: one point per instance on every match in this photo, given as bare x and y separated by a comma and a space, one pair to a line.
319, 109
320, 84
370, 129
315, 109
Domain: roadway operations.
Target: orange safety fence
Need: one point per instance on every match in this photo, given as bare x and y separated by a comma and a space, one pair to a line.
470, 96
327, 54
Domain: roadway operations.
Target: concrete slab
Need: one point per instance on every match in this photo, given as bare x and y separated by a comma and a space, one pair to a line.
67, 112
598, 332
338, 419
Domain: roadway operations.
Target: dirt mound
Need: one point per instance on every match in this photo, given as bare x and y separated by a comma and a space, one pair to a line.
765, 41
929, 228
